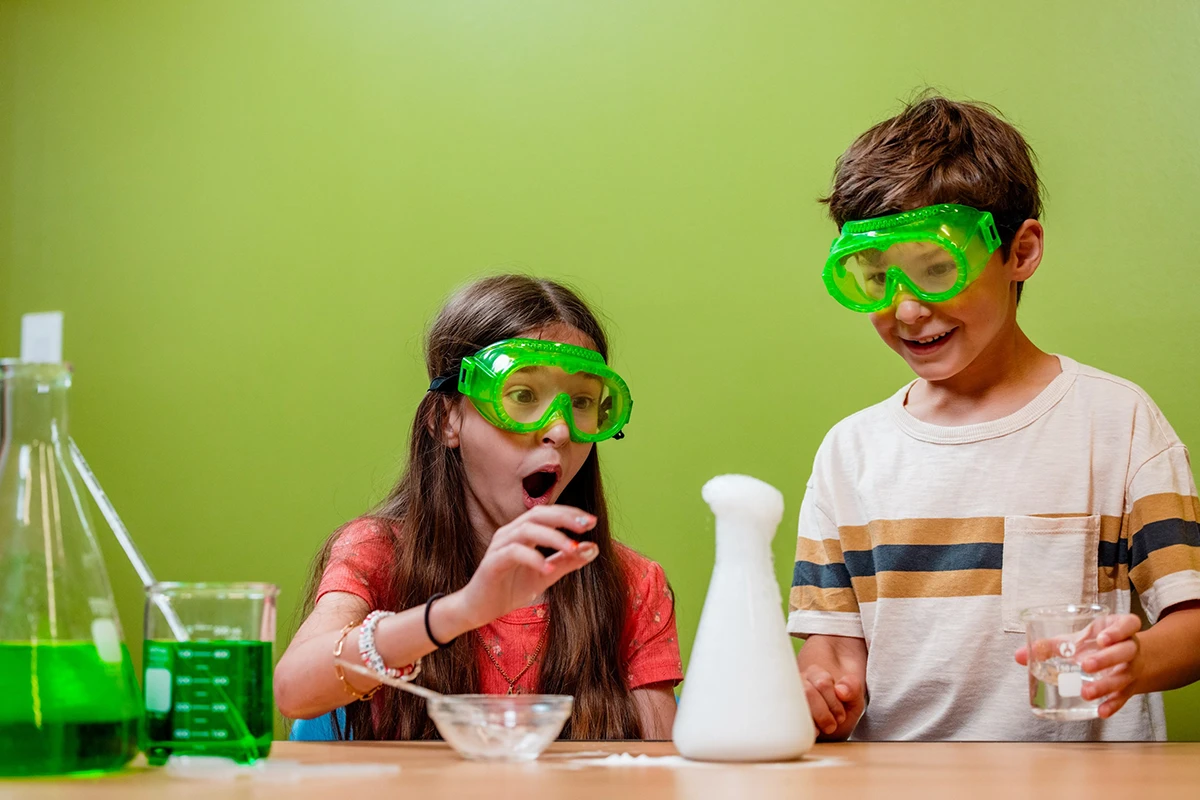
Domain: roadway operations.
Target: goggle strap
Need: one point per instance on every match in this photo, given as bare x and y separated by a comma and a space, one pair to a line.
466, 372
444, 384
987, 226
455, 382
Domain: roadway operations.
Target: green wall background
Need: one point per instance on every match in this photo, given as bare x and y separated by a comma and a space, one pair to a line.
249, 211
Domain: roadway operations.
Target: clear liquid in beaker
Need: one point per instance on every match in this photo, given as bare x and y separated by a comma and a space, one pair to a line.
1055, 687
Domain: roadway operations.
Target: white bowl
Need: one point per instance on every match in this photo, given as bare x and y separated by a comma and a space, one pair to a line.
487, 727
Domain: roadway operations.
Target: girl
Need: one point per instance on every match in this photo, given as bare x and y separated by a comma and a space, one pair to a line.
468, 548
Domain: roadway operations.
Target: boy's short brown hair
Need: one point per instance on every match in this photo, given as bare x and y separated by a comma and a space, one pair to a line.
939, 151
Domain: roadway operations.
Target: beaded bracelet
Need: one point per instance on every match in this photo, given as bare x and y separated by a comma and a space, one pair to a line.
371, 656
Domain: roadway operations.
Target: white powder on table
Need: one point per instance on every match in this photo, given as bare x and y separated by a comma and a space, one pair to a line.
679, 762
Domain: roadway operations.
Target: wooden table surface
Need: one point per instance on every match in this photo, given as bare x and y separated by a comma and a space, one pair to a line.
568, 771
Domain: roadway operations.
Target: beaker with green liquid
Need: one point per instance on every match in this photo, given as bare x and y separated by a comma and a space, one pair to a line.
69, 701
207, 670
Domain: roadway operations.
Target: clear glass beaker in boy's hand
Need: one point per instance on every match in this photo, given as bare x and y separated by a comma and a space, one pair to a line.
1059, 639
211, 693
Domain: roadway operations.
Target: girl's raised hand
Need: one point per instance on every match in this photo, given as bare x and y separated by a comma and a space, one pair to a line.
514, 574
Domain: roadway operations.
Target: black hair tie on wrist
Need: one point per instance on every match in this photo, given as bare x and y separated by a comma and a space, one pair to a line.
428, 630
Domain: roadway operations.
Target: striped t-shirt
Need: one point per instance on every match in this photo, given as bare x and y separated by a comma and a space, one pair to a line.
927, 541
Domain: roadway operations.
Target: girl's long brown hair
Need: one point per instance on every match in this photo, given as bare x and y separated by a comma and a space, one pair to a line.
435, 549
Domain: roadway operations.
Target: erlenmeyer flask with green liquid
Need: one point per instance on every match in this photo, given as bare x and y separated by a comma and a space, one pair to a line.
69, 701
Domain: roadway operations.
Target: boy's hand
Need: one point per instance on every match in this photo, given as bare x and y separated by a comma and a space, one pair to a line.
836, 705
1119, 658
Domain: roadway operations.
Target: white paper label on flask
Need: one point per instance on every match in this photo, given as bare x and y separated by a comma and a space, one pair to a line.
107, 640
41, 337
158, 690
1070, 684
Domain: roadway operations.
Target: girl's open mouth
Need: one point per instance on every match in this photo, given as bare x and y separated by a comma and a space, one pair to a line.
927, 345
538, 486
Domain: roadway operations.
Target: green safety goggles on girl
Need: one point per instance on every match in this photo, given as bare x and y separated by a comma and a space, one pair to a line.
933, 253
524, 385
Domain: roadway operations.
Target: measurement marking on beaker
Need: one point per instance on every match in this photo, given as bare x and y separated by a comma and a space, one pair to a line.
196, 680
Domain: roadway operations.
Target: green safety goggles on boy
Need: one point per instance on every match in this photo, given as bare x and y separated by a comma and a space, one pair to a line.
932, 253
523, 385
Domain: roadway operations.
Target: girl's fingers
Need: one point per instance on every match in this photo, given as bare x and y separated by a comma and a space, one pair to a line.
1106, 685
1120, 653
1022, 655
568, 517
556, 565
532, 534
566, 561
525, 556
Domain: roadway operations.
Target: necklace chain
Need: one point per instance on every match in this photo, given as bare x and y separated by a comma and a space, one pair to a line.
530, 661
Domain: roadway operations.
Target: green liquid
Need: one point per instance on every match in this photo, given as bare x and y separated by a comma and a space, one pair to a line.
210, 698
64, 710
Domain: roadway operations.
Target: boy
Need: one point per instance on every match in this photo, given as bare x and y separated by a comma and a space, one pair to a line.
1002, 478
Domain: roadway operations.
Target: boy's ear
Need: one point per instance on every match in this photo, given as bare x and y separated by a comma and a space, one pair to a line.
1025, 251
451, 423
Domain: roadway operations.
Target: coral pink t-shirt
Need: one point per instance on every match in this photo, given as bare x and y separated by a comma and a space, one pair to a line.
362, 555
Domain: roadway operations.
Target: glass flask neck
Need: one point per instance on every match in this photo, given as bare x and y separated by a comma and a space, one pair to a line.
33, 402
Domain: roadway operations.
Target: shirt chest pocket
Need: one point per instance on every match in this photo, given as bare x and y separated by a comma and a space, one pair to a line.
1047, 561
